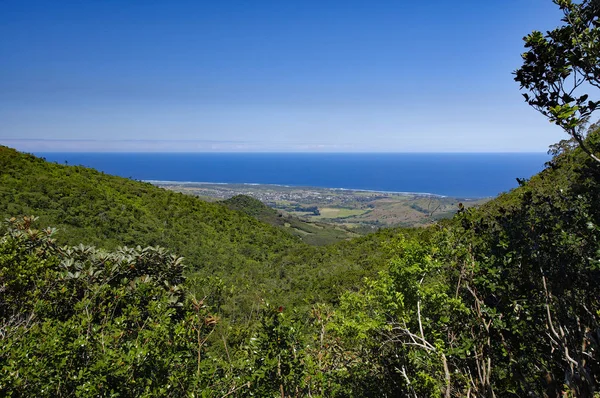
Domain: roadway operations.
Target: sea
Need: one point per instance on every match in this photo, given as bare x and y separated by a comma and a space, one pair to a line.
463, 175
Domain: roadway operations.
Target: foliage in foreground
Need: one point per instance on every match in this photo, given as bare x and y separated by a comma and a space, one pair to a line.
77, 320
504, 300
561, 69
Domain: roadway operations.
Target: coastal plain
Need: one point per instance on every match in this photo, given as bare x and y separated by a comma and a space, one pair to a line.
356, 211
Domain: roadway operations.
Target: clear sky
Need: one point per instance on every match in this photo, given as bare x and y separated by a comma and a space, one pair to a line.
269, 75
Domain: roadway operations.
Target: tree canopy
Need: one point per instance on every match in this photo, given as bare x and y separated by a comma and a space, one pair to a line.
561, 69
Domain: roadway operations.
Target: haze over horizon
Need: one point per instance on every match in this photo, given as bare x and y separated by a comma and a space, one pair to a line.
273, 76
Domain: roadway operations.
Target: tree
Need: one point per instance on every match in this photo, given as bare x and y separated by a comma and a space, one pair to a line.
561, 69
79, 321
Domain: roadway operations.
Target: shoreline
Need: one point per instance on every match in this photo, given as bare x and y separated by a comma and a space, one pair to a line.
249, 184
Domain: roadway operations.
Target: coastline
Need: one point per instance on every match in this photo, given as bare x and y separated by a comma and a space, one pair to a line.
348, 190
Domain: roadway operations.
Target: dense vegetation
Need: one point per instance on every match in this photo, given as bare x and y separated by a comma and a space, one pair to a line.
504, 300
313, 233
232, 257
501, 300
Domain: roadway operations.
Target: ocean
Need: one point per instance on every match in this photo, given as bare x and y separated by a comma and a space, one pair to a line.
464, 175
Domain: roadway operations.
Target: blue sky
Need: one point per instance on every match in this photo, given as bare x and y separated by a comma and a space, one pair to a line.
269, 75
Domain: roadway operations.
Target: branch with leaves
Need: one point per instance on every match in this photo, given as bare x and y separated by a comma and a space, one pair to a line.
562, 63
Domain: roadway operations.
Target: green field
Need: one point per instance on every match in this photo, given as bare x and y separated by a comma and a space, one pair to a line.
332, 212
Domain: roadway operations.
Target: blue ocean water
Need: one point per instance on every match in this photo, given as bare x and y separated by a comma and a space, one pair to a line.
466, 175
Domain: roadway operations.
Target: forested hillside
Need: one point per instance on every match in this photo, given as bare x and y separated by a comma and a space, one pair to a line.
108, 211
499, 301
247, 260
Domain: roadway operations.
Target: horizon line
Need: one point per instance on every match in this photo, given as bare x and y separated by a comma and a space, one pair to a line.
214, 146
292, 152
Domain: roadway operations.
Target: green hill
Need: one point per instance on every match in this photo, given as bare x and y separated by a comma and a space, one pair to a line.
251, 206
313, 233
92, 208
227, 252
